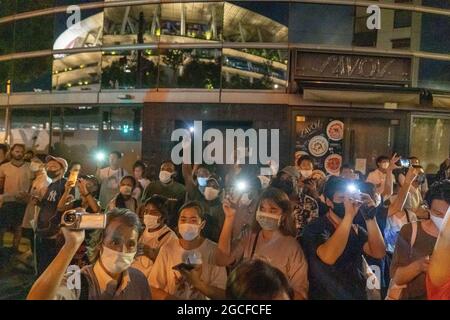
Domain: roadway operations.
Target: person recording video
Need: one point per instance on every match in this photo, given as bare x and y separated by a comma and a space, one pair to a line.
109, 276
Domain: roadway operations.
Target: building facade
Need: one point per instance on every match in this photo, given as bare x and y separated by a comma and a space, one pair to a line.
91, 75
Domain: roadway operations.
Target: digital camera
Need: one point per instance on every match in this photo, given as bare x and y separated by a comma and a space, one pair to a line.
79, 219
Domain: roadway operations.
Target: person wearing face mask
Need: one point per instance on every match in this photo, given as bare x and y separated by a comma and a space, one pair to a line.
15, 182
438, 277
49, 218
184, 268
38, 189
273, 229
334, 246
109, 276
167, 187
305, 166
125, 199
196, 180
153, 215
383, 172
415, 244
207, 192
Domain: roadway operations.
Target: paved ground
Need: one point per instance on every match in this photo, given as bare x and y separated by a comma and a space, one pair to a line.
16, 271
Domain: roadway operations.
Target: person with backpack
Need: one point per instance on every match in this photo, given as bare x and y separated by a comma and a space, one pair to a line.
415, 245
109, 276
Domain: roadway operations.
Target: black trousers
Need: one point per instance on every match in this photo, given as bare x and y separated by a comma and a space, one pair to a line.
46, 251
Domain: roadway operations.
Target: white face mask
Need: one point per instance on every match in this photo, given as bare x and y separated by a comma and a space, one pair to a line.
211, 193
126, 190
306, 173
165, 176
245, 200
189, 231
268, 221
151, 221
439, 222
35, 167
116, 262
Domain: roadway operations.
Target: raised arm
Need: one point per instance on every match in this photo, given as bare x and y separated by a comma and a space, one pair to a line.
223, 255
389, 182
399, 202
188, 179
62, 204
88, 196
332, 249
46, 286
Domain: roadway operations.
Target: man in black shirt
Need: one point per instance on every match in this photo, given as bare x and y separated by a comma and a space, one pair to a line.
334, 246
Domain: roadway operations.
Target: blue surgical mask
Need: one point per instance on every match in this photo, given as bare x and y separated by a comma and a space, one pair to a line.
202, 181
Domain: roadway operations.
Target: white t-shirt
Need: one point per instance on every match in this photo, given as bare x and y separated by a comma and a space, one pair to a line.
155, 240
165, 278
282, 252
17, 179
109, 180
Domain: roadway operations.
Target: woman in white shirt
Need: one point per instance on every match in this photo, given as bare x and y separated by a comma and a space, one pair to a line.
271, 240
153, 215
184, 268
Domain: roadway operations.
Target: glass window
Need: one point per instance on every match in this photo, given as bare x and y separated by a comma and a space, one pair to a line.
430, 141
70, 33
27, 5
122, 70
256, 22
8, 7
434, 33
31, 126
75, 72
402, 19
122, 131
190, 68
401, 43
321, 24
131, 25
32, 75
192, 21
80, 135
34, 34
434, 74
254, 69
6, 38
436, 3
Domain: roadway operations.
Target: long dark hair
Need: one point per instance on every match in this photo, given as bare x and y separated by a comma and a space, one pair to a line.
120, 200
281, 199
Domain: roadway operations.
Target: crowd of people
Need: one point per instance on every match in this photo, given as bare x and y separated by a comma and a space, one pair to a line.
225, 232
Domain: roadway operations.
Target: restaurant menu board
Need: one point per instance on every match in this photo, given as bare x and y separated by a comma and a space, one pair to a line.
322, 139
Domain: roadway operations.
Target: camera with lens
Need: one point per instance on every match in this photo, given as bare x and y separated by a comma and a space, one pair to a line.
79, 219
